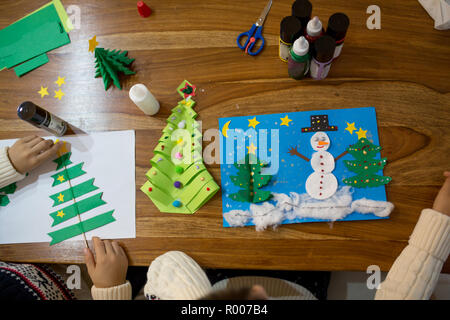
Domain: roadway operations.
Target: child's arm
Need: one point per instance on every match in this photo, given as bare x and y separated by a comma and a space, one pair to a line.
415, 272
108, 271
23, 156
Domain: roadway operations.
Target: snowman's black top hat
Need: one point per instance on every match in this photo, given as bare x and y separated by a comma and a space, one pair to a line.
320, 123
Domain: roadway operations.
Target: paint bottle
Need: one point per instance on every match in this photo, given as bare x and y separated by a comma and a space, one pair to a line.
144, 99
298, 63
322, 57
314, 30
290, 30
337, 29
41, 118
302, 10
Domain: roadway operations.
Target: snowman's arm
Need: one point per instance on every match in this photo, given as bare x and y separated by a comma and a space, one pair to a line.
293, 152
340, 156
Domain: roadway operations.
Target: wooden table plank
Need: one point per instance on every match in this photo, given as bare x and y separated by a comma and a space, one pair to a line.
401, 70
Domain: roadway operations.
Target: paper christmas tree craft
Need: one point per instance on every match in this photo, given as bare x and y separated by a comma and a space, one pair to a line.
9, 189
178, 181
67, 206
365, 166
109, 63
250, 180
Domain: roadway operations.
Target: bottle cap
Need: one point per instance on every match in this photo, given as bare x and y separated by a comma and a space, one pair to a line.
338, 25
301, 46
314, 27
302, 9
290, 29
324, 48
143, 9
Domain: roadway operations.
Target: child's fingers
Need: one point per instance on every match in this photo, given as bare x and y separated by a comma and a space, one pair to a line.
42, 146
34, 141
108, 247
48, 153
29, 138
89, 260
117, 248
99, 247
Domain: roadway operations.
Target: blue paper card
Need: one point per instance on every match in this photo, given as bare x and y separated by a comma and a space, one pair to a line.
271, 136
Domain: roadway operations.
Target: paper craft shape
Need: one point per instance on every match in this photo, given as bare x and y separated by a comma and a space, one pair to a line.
101, 169
32, 36
186, 89
297, 146
178, 181
108, 63
9, 189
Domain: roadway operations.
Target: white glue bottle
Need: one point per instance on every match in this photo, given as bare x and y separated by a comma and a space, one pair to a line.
314, 30
144, 99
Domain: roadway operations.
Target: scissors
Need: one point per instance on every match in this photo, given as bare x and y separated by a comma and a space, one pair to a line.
254, 34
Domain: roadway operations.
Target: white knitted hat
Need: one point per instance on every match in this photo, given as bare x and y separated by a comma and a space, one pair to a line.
176, 276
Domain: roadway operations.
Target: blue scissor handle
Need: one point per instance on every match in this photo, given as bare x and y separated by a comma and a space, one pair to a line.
252, 35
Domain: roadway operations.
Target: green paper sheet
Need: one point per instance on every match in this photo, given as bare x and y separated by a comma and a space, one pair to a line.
63, 160
68, 174
79, 228
74, 192
31, 64
79, 207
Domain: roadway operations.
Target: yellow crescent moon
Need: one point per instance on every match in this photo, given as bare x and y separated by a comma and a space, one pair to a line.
225, 129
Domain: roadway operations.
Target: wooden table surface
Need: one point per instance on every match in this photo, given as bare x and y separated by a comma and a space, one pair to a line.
402, 70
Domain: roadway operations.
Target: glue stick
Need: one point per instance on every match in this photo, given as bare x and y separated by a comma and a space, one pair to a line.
41, 118
144, 99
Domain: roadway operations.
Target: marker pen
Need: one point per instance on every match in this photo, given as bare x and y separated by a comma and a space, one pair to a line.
314, 30
302, 10
41, 118
290, 30
337, 28
322, 57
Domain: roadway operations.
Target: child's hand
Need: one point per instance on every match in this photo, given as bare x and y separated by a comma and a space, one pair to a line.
442, 200
29, 152
109, 269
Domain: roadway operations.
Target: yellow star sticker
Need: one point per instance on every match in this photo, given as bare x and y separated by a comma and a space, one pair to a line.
253, 122
61, 214
285, 121
60, 178
361, 133
93, 43
60, 81
58, 94
350, 127
63, 149
61, 197
43, 92
251, 148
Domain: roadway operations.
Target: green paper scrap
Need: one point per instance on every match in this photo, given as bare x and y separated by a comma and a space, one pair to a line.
77, 208
31, 64
68, 174
9, 189
64, 18
32, 36
79, 228
365, 166
63, 160
4, 200
74, 192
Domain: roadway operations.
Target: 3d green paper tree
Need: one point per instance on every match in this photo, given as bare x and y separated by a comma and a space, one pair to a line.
109, 63
9, 189
250, 180
178, 181
365, 166
76, 208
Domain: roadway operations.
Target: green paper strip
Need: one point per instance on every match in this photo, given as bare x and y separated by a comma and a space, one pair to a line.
191, 172
203, 196
4, 200
31, 64
159, 179
9, 189
77, 208
191, 190
68, 174
154, 193
63, 161
79, 228
163, 165
74, 192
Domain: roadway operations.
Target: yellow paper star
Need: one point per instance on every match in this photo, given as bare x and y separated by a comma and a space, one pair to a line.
63, 149
253, 122
361, 133
93, 43
58, 94
60, 178
285, 121
60, 81
61, 214
61, 197
43, 92
251, 148
350, 127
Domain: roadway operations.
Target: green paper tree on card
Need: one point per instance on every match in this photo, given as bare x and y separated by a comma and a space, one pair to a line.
365, 166
69, 195
250, 180
178, 181
9, 189
109, 63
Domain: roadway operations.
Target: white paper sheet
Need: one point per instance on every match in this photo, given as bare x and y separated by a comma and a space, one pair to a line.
109, 157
